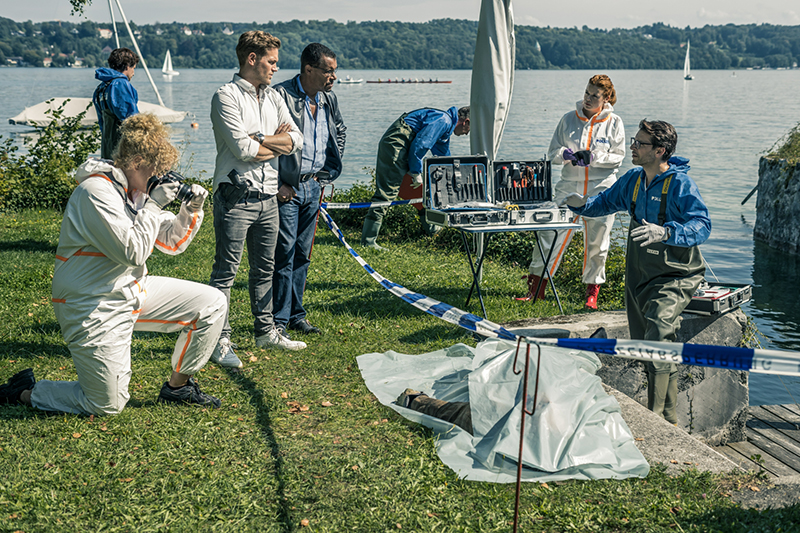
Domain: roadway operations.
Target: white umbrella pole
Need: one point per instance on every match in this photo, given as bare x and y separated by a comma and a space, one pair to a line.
141, 57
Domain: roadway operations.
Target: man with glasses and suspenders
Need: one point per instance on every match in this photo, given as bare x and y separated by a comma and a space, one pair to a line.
669, 221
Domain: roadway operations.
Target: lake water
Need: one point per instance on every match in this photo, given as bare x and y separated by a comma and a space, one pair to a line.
724, 122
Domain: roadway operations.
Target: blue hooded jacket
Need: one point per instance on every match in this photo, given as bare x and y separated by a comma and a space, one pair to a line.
121, 95
433, 129
686, 215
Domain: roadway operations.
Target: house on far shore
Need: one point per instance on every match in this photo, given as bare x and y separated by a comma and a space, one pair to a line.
105, 33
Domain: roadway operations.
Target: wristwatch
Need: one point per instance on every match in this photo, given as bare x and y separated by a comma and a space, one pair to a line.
259, 137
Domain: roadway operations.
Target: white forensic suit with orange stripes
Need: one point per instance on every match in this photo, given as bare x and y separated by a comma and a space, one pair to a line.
102, 293
604, 136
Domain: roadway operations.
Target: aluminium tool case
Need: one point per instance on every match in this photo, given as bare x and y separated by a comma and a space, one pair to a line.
457, 193
713, 299
468, 191
525, 189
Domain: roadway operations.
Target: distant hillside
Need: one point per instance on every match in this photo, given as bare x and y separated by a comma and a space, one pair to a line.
438, 44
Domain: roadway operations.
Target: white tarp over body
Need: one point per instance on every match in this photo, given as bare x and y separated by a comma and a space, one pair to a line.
577, 431
36, 114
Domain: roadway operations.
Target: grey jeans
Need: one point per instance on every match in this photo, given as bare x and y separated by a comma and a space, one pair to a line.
254, 221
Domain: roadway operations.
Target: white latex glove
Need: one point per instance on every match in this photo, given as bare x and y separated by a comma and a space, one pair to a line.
573, 200
165, 193
196, 203
416, 180
648, 233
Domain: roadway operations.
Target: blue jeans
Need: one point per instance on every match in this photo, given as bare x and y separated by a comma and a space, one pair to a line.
298, 220
256, 223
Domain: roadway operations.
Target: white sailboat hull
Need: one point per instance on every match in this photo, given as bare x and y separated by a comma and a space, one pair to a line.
35, 115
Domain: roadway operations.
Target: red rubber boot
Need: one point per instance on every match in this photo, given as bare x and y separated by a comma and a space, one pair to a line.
533, 281
592, 291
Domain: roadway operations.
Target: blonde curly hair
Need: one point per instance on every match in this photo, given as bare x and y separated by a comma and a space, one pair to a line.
145, 140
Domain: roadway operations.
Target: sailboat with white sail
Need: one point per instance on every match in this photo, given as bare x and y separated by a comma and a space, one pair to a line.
167, 69
687, 70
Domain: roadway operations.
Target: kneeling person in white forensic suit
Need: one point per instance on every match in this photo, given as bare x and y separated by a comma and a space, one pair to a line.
102, 292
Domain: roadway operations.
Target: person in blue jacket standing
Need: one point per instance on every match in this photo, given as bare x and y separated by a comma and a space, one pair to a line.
115, 99
400, 154
664, 266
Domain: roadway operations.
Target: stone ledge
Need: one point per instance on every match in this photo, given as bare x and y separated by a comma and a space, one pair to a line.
662, 443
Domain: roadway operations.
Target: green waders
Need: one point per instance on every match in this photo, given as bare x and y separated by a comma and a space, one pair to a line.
659, 283
390, 168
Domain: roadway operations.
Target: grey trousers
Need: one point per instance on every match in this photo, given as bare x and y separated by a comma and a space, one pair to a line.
254, 222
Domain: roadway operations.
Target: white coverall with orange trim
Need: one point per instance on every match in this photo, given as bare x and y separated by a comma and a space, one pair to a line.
102, 293
604, 136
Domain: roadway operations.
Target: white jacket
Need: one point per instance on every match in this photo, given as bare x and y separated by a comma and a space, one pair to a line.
106, 238
603, 134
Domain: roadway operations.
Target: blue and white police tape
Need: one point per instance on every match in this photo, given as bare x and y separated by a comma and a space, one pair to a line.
361, 205
751, 360
420, 301
725, 357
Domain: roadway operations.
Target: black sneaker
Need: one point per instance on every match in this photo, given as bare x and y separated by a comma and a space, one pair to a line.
304, 327
189, 393
15, 386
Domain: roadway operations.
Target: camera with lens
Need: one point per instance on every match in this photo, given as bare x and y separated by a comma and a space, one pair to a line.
185, 193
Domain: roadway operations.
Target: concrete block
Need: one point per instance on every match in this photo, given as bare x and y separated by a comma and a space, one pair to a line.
712, 403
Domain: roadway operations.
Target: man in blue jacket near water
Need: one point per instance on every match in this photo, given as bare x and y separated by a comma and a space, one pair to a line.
664, 267
115, 99
400, 154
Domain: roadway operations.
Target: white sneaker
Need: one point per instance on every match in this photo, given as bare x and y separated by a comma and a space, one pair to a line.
273, 338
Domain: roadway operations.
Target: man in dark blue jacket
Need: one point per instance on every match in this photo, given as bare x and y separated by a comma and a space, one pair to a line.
115, 99
315, 110
664, 267
400, 154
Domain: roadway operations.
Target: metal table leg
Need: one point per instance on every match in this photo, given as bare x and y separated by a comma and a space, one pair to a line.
476, 285
546, 269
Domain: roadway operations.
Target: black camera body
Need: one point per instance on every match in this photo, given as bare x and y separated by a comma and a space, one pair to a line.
185, 193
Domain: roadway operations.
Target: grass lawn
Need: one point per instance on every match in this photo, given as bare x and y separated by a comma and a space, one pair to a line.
299, 443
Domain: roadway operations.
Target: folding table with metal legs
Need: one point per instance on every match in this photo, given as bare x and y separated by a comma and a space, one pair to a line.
488, 231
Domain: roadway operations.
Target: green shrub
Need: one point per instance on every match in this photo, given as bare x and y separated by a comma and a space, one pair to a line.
42, 176
401, 222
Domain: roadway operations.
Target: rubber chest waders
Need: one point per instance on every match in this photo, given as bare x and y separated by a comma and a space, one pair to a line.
390, 168
659, 283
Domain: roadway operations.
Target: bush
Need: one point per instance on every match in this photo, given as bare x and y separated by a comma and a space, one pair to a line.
401, 222
42, 177
788, 146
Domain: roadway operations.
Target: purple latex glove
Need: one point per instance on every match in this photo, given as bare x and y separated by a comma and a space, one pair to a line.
583, 158
569, 155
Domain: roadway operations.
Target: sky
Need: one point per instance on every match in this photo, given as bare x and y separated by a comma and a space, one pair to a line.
605, 14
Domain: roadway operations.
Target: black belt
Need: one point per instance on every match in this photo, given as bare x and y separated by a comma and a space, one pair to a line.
253, 194
306, 177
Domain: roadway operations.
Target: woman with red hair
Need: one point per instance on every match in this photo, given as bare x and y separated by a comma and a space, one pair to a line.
589, 145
